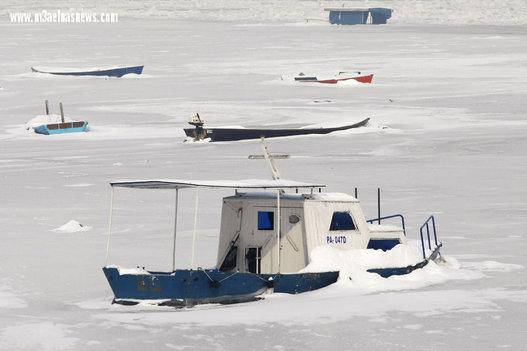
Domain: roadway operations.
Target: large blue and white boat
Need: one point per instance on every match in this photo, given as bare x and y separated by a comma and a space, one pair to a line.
269, 230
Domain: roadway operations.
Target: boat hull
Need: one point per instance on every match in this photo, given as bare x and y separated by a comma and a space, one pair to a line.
235, 134
62, 128
190, 287
361, 79
112, 72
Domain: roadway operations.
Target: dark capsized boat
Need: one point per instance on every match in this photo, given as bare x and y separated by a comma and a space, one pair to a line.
199, 132
108, 72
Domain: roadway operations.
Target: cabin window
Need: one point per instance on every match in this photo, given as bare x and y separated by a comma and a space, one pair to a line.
229, 263
265, 220
383, 244
293, 219
342, 221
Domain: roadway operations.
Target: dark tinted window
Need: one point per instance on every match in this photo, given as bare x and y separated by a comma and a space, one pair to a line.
342, 221
265, 220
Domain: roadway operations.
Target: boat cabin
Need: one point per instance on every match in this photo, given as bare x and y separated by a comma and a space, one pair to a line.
251, 225
253, 222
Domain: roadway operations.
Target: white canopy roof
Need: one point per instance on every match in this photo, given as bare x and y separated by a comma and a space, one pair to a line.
233, 184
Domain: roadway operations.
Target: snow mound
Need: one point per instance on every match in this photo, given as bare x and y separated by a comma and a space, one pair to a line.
72, 227
45, 119
354, 263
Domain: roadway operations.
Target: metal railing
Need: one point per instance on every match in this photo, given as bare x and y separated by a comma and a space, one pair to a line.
426, 225
378, 220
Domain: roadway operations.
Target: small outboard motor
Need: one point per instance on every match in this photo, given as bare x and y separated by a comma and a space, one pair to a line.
197, 122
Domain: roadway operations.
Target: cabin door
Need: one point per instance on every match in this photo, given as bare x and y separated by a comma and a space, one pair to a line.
292, 243
260, 247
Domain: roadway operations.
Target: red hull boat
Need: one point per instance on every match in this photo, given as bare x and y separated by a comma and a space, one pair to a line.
342, 76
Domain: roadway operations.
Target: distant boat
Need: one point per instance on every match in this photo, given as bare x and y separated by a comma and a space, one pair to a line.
234, 134
341, 76
109, 72
62, 127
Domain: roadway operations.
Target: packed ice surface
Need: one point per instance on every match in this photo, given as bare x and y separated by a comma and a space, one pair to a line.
452, 97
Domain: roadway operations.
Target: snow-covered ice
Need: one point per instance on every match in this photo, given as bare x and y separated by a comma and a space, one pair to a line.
446, 136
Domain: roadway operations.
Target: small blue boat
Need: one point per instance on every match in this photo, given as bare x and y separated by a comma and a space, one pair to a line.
62, 127
108, 72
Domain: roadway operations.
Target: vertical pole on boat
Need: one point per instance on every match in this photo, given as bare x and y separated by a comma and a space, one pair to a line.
61, 112
195, 225
278, 227
175, 233
269, 158
109, 228
356, 193
47, 107
379, 205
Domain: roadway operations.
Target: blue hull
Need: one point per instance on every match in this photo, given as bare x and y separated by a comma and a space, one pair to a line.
113, 72
190, 287
62, 128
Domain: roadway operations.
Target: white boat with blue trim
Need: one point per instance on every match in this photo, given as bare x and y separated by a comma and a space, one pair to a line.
269, 230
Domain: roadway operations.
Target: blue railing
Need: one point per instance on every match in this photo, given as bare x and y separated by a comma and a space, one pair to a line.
388, 217
426, 225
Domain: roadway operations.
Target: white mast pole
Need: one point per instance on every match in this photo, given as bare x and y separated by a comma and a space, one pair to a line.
175, 233
195, 225
269, 158
278, 226
109, 228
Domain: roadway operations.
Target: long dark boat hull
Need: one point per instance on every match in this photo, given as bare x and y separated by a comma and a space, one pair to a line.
235, 134
186, 287
111, 72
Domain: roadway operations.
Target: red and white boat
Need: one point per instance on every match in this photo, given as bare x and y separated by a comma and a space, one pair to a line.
341, 76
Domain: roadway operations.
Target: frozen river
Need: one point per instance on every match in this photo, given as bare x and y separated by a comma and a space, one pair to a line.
448, 137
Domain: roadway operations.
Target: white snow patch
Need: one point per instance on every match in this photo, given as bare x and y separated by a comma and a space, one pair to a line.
78, 185
338, 197
95, 304
354, 263
492, 266
383, 228
37, 336
413, 326
72, 227
130, 271
9, 300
